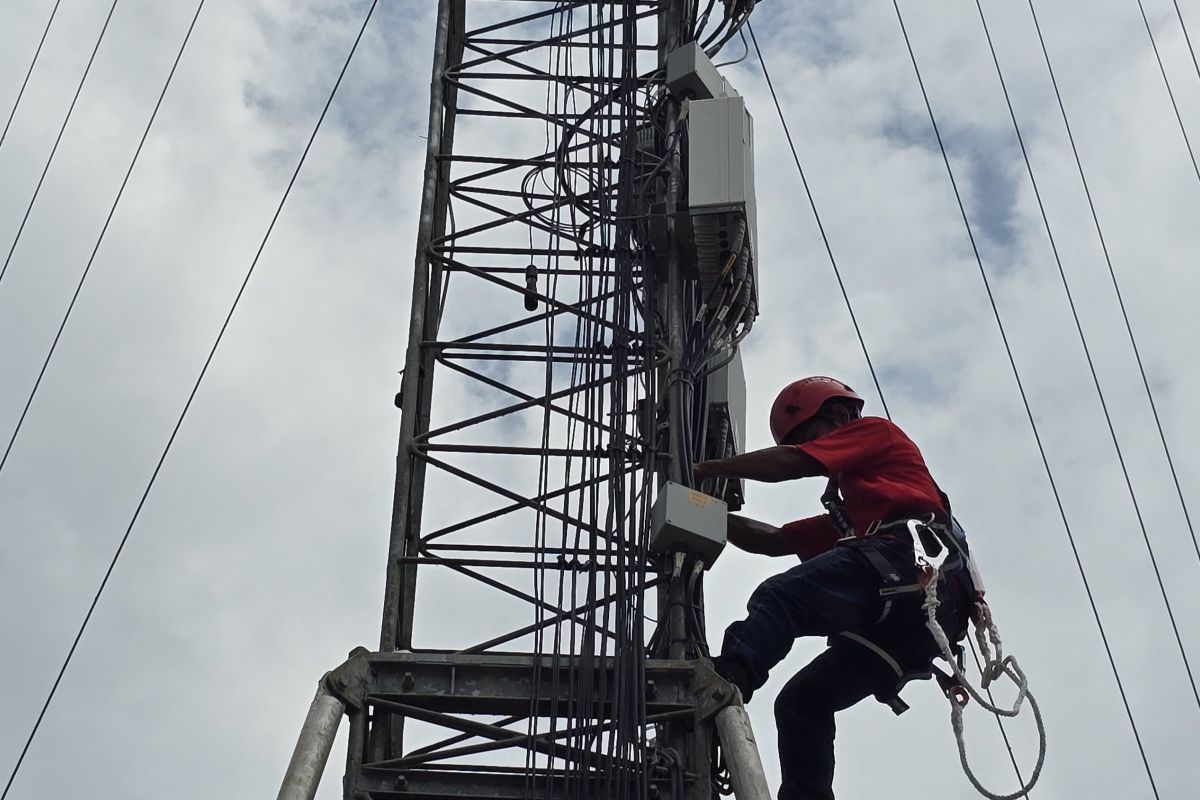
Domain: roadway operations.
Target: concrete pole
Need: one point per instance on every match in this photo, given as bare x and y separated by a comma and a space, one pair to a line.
741, 754
304, 771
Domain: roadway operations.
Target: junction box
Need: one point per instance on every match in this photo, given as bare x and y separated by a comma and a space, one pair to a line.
687, 520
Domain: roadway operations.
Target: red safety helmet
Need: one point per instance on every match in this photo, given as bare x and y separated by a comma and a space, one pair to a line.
800, 402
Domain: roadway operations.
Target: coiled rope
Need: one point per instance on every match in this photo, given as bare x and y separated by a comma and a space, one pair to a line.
995, 665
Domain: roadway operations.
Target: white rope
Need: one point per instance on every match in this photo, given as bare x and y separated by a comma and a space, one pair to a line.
995, 665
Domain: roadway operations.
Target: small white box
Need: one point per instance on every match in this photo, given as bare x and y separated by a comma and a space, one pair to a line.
727, 389
687, 520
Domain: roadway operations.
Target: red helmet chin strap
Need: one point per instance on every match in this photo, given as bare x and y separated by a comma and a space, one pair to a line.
800, 401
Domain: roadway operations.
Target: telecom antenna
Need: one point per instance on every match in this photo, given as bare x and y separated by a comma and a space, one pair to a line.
585, 271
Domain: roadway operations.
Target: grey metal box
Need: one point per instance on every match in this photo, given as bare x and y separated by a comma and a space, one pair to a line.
727, 387
721, 184
691, 74
721, 155
687, 520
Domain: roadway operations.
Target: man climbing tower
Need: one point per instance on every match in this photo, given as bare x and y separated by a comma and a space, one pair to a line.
857, 582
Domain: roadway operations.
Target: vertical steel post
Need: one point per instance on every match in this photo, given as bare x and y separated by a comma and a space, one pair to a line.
669, 37
416, 392
696, 741
416, 387
669, 19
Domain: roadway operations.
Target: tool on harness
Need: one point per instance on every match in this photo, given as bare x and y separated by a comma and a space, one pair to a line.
931, 565
951, 687
836, 508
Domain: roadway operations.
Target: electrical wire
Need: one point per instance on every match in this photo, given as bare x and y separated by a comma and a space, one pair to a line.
32, 64
1187, 37
742, 57
1024, 397
702, 21
187, 406
1113, 275
579, 214
1088, 354
49, 160
112, 210
541, 531
820, 226
1187, 140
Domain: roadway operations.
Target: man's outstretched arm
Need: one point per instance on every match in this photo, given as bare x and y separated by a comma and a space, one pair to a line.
806, 538
770, 465
757, 537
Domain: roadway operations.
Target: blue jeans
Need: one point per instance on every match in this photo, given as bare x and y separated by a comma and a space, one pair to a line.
836, 591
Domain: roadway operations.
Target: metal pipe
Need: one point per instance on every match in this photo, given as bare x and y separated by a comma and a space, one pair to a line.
741, 754
674, 303
304, 771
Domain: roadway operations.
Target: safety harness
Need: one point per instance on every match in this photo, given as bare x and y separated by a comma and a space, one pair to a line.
941, 556
894, 588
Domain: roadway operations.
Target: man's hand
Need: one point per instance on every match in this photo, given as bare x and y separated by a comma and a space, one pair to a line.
757, 537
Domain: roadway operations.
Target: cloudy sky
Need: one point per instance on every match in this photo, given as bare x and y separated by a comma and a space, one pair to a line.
258, 559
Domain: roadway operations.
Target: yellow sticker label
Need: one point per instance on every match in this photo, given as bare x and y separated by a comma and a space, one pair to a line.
699, 499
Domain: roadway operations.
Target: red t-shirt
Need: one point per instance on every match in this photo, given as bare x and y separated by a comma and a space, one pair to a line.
882, 477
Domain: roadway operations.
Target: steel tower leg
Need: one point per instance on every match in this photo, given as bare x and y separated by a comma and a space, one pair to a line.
416, 391
304, 771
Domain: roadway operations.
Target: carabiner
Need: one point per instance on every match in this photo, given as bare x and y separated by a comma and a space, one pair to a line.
930, 564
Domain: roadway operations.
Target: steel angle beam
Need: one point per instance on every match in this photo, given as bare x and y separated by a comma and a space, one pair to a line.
482, 784
485, 683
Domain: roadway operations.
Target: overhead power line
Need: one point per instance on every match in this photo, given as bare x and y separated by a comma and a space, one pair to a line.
188, 404
1187, 37
1088, 355
1187, 140
820, 226
1024, 397
1096, 379
67, 119
862, 342
1087, 191
32, 64
91, 259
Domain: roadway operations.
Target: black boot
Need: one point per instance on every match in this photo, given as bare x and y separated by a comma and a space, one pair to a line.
734, 671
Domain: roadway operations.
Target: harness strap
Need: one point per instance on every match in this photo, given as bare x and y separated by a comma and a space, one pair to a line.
888, 572
889, 697
882, 565
892, 588
835, 506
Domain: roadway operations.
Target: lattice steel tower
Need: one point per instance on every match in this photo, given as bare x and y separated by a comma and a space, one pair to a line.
584, 274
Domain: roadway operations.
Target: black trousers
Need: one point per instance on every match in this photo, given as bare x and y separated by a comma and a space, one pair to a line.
804, 714
833, 592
